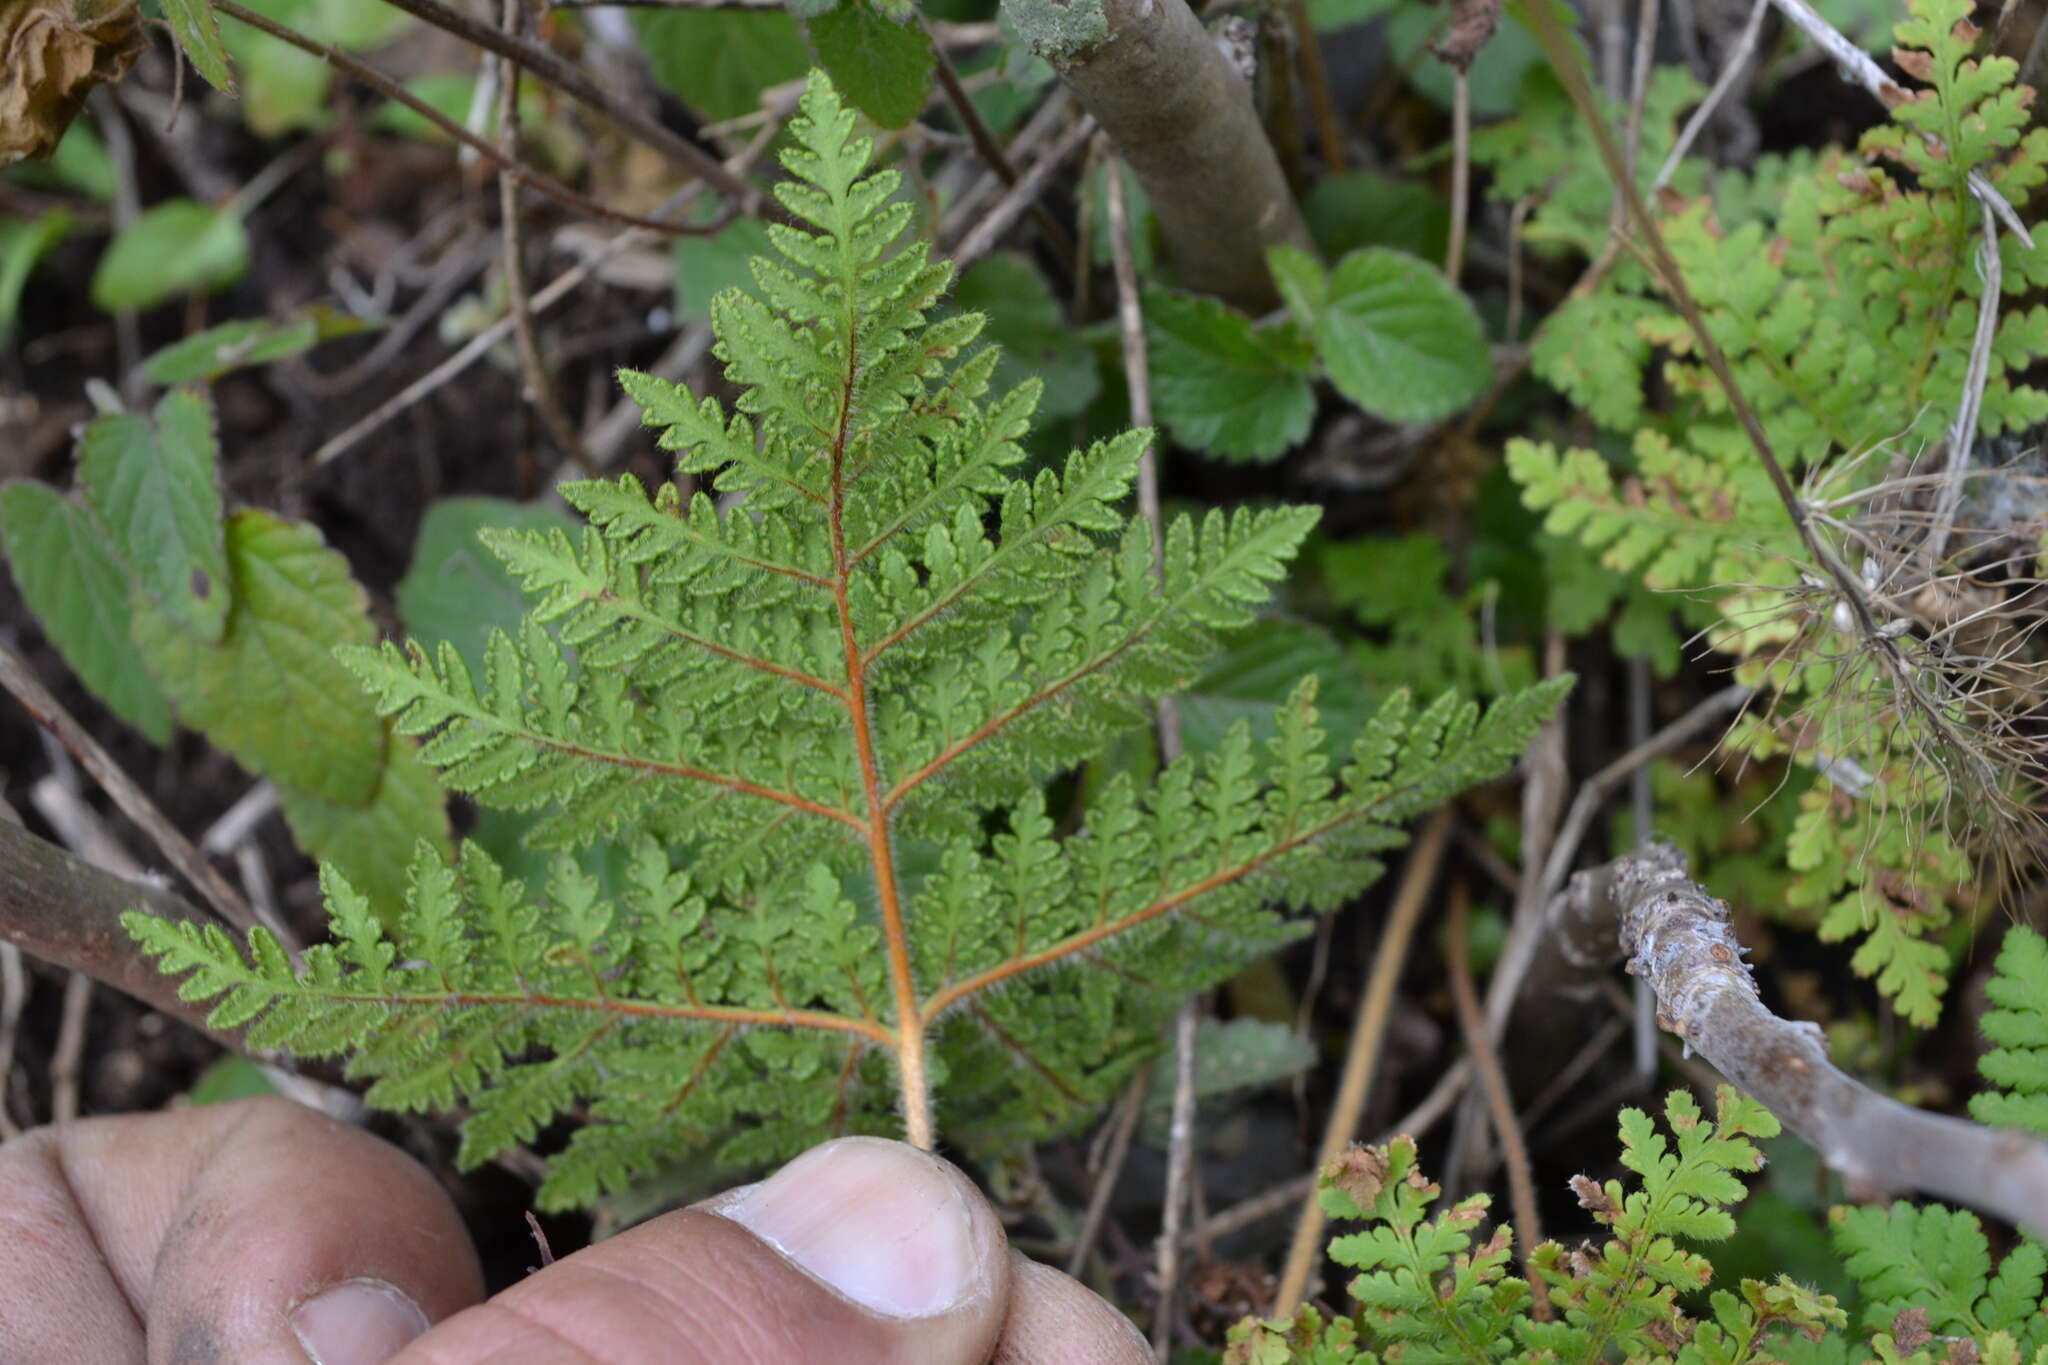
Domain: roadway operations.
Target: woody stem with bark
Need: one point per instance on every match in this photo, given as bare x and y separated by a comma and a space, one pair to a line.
1182, 118
1677, 936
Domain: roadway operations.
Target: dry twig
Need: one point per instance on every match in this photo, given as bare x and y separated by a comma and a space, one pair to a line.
1677, 937
1521, 1185
540, 389
51, 715
981, 239
1181, 1129
1361, 1058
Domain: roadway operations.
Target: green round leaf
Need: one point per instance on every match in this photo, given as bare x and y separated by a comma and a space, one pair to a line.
1398, 340
171, 249
884, 67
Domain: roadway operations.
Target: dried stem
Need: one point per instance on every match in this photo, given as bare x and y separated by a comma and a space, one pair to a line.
1521, 1185
981, 239
1314, 75
1181, 1130
479, 345
1289, 1193
574, 81
1731, 71
1361, 1059
1122, 1126
507, 163
540, 389
1678, 938
51, 715
1461, 174
1962, 431
993, 156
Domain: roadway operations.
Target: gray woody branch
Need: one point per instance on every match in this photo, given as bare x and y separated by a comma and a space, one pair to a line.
1182, 117
67, 912
1677, 937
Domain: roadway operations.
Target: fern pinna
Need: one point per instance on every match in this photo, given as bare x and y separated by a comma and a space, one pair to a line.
819, 703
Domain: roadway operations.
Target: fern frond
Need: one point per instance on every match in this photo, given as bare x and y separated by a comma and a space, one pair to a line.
822, 711
2017, 1024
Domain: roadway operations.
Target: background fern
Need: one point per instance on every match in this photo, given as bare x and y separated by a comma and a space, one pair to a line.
820, 708
1928, 1287
1844, 289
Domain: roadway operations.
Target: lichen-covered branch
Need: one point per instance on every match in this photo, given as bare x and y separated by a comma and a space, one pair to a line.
1182, 117
1677, 937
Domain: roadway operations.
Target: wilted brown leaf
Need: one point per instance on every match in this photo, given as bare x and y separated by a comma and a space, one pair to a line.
52, 52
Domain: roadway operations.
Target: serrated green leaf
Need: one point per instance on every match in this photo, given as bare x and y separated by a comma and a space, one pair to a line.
79, 592
198, 34
1223, 385
719, 61
171, 248
271, 693
1398, 340
884, 66
155, 484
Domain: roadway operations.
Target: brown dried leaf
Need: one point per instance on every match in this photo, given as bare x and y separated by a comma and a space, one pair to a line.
1592, 1198
52, 52
1915, 63
1910, 1330
1359, 1172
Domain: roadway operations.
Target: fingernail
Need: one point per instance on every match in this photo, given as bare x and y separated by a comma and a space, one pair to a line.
357, 1322
884, 1224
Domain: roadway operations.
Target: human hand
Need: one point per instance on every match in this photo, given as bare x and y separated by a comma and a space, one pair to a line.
264, 1232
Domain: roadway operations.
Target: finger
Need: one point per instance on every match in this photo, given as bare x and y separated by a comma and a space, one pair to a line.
858, 1251
251, 1231
1056, 1320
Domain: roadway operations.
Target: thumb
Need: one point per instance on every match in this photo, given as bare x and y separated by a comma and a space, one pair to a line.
859, 1250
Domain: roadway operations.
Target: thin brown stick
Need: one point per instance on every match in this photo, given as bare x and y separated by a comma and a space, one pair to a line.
981, 239
1181, 1130
1731, 71
1329, 125
507, 164
1521, 1185
574, 81
479, 345
1461, 173
993, 156
540, 390
1121, 1127
1361, 1060
51, 715
64, 1058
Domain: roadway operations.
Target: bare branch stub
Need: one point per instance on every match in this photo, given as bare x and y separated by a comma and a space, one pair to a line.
1678, 937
